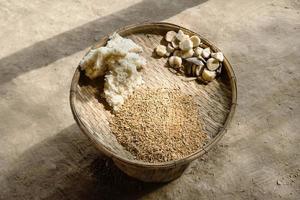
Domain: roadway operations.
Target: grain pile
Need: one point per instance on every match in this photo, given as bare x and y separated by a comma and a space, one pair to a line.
158, 125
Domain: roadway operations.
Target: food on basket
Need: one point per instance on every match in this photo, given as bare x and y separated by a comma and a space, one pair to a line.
212, 64
195, 40
199, 61
119, 61
186, 45
159, 125
170, 36
175, 62
161, 50
208, 75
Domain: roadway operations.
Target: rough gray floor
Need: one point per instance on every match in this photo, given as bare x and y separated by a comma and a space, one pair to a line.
42, 152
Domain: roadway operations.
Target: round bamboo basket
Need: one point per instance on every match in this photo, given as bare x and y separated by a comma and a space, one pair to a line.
216, 99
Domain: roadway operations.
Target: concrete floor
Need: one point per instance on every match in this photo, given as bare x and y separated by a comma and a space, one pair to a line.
43, 155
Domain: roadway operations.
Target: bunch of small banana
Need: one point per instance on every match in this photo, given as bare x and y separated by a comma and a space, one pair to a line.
198, 60
205, 66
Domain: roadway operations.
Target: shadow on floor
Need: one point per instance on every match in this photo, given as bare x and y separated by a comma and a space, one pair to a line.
47, 51
67, 166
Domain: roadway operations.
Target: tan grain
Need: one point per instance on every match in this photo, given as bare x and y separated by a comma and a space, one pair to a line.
159, 125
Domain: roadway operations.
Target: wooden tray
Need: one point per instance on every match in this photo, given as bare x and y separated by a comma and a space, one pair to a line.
217, 101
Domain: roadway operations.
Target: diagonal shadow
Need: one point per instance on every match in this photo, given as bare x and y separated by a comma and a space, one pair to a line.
47, 51
67, 166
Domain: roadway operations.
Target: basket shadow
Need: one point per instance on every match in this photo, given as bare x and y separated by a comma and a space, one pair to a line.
67, 166
67, 43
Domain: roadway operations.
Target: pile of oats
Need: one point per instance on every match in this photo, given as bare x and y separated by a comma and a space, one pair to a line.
159, 125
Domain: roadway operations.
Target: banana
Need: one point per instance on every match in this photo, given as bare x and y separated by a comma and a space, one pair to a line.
186, 45
161, 50
206, 52
170, 36
195, 40
175, 62
198, 51
181, 36
187, 54
219, 56
208, 75
212, 64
